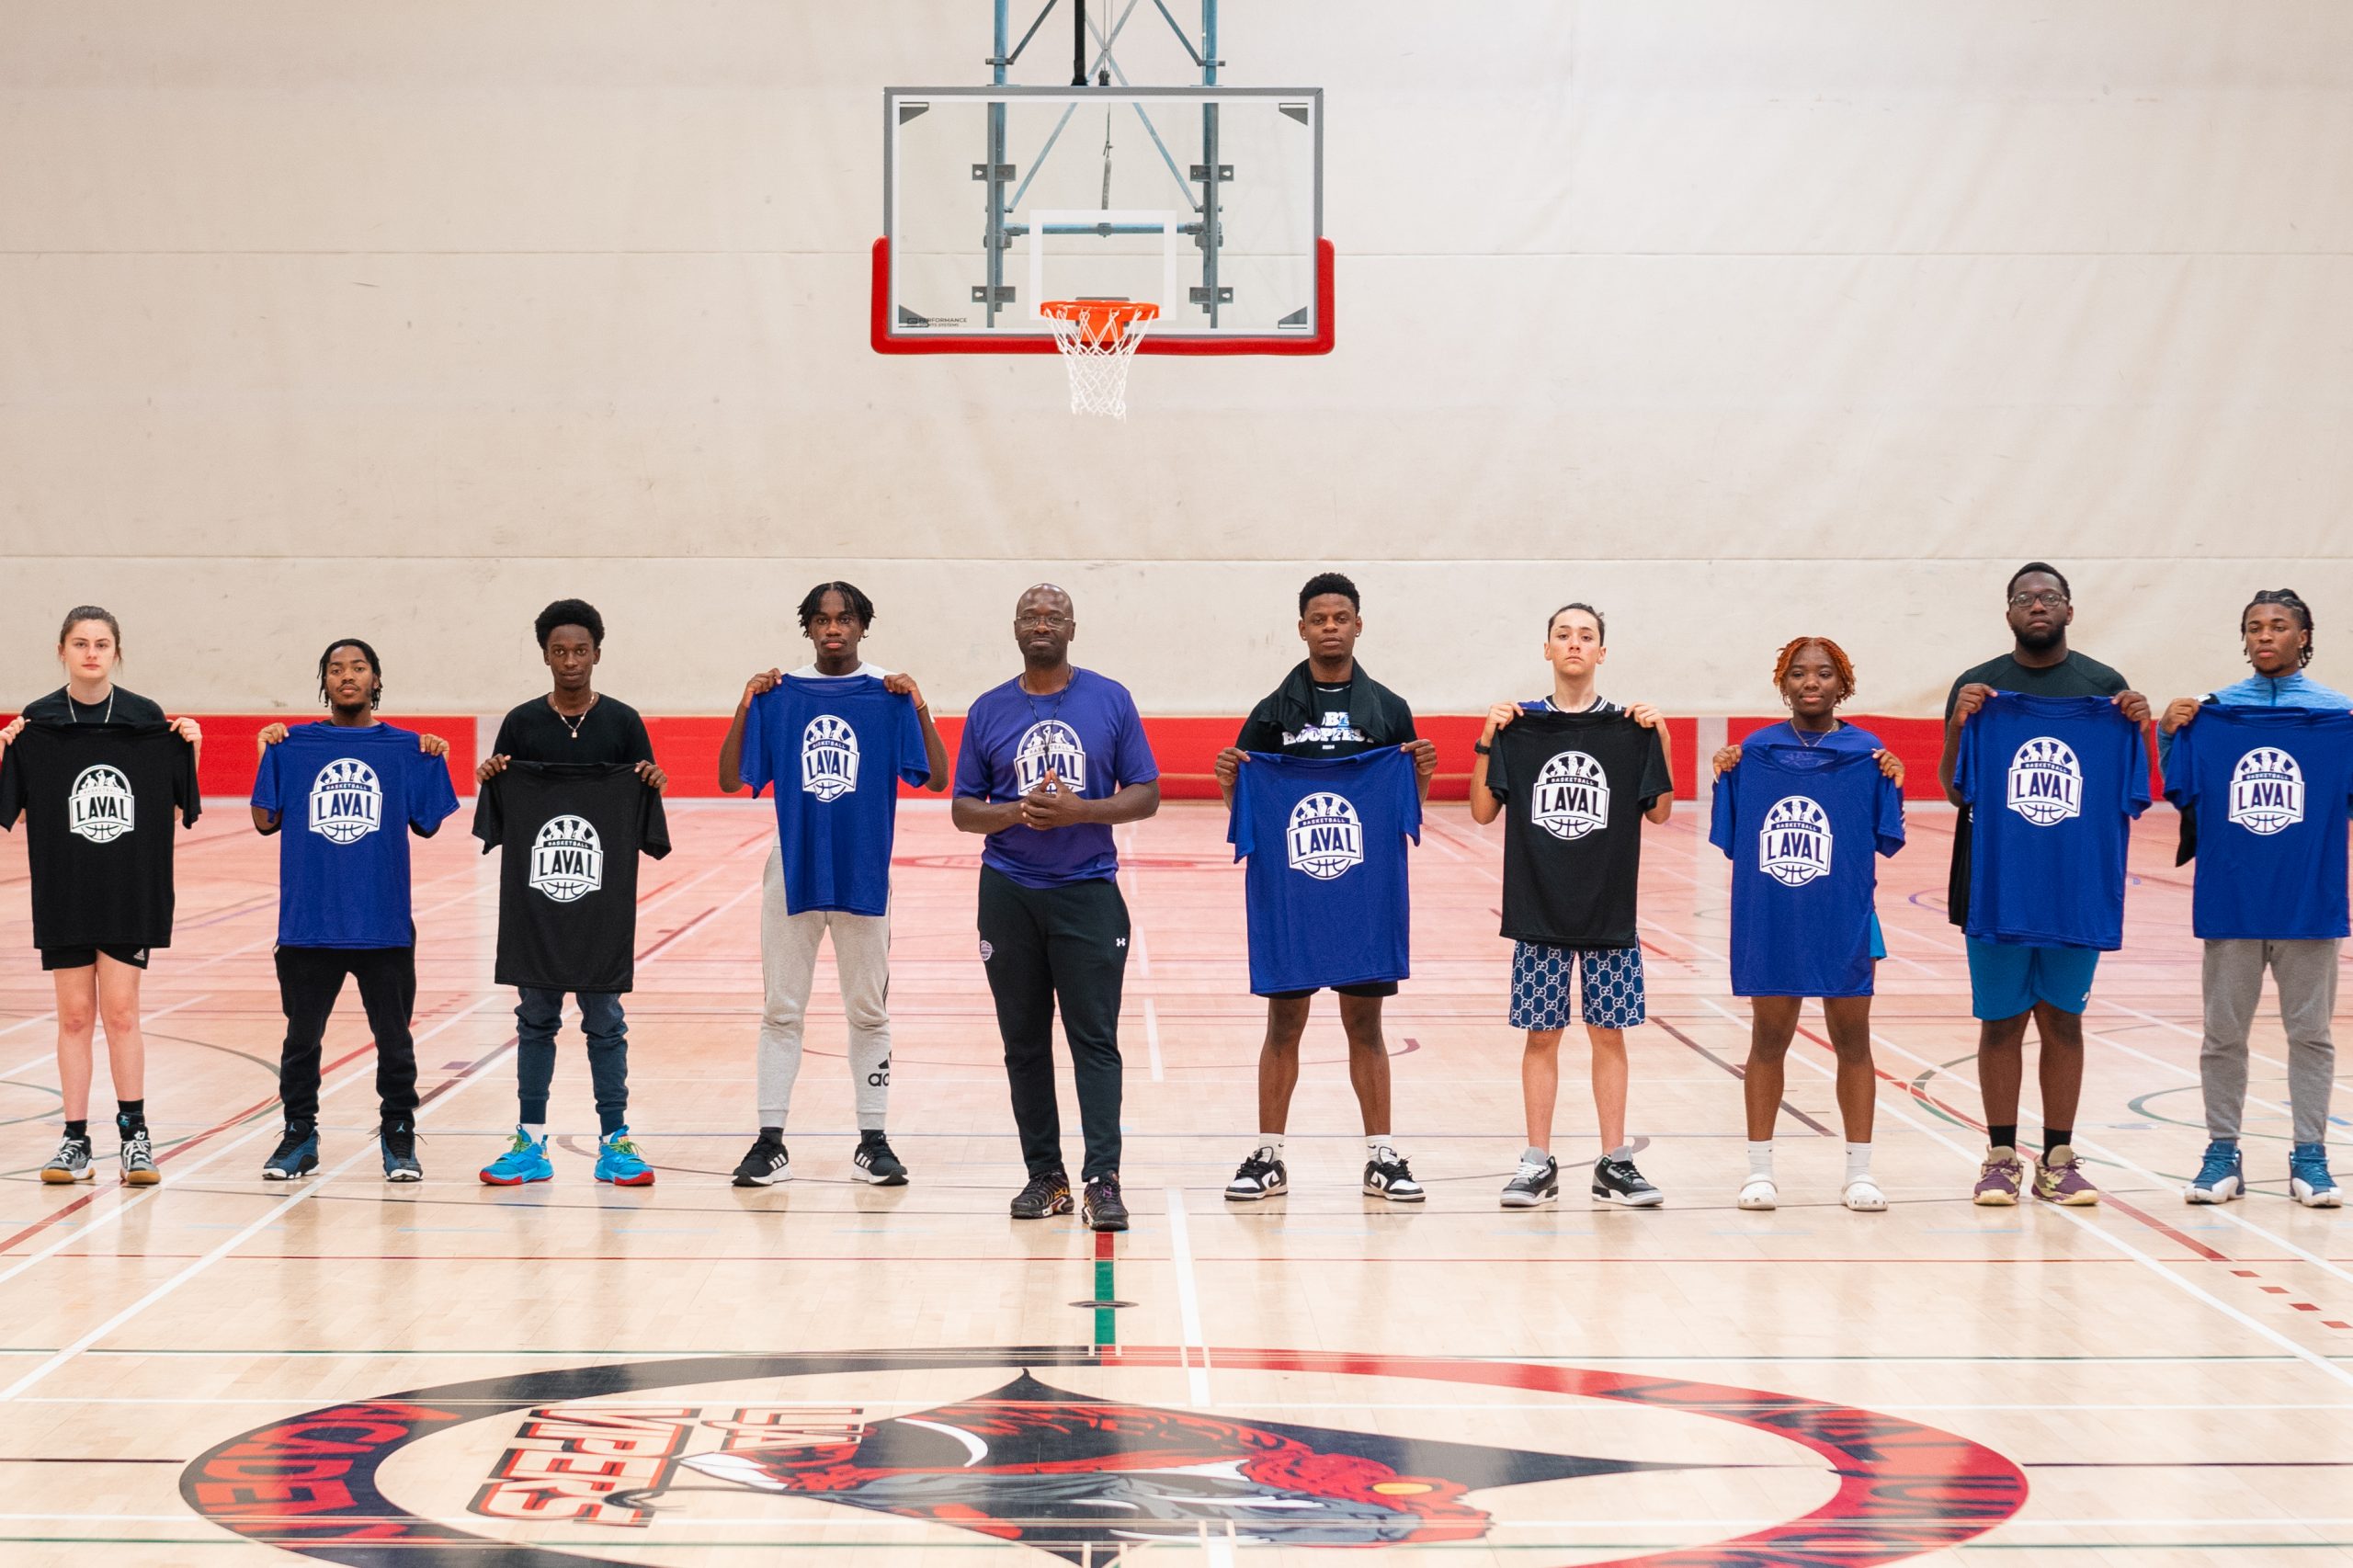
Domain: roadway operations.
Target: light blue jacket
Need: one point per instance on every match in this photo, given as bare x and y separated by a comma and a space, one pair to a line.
2297, 690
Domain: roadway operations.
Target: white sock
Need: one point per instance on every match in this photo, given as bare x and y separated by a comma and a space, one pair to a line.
1532, 1156
1375, 1142
1272, 1140
1623, 1152
537, 1134
1760, 1159
1859, 1163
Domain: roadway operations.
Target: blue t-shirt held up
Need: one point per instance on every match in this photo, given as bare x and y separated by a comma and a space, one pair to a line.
1801, 826
2052, 785
2263, 793
1326, 890
835, 747
347, 799
1088, 735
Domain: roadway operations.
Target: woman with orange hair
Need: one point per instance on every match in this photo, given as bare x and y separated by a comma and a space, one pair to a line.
1815, 675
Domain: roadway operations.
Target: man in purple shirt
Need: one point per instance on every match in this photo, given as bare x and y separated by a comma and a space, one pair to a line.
1050, 762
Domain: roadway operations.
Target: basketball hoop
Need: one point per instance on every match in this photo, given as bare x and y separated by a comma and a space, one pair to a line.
1097, 337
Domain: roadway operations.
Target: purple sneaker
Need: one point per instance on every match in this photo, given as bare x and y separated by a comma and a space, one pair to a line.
2059, 1179
1999, 1178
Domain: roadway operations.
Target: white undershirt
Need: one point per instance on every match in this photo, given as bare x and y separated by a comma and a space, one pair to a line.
811, 672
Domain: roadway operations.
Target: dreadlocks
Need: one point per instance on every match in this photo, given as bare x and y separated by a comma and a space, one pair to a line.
2287, 599
375, 668
1838, 660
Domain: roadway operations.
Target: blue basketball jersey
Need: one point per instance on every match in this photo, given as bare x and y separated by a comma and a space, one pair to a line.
347, 799
1802, 826
835, 747
2052, 785
1326, 890
2263, 793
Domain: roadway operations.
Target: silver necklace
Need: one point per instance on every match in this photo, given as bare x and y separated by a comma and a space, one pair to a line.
74, 713
573, 725
1800, 735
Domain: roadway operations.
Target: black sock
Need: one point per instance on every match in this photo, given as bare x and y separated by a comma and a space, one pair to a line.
2055, 1137
78, 1130
2003, 1135
773, 1134
130, 1116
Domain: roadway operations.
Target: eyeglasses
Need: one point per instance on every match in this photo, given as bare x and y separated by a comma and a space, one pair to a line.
2049, 599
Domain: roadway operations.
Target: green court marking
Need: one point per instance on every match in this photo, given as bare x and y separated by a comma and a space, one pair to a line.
1105, 1333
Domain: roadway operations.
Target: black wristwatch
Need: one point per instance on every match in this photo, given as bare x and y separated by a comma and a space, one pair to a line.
1482, 748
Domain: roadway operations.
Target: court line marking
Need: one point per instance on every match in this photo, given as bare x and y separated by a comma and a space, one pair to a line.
1188, 1299
1152, 1036
2310, 1357
427, 1105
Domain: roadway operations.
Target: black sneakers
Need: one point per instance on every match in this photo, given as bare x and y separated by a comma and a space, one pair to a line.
1617, 1181
875, 1161
1047, 1194
1533, 1184
1104, 1211
398, 1137
766, 1165
1261, 1176
1386, 1176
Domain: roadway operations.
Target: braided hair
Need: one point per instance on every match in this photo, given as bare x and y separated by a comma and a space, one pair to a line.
1838, 660
375, 668
2288, 599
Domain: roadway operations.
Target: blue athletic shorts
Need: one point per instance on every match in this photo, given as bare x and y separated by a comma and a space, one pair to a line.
2009, 978
1609, 988
1879, 939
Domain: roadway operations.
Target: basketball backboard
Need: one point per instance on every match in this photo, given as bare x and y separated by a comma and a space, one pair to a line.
1206, 202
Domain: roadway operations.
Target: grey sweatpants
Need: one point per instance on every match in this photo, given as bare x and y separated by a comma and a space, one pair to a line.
788, 968
2305, 972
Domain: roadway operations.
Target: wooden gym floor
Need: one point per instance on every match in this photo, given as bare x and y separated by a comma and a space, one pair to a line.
218, 1371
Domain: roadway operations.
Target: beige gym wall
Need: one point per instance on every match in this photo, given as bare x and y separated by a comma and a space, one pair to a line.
1737, 317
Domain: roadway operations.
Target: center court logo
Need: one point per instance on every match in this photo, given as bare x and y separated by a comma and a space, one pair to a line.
1327, 837
2046, 782
828, 758
1572, 796
1793, 847
1049, 745
567, 859
346, 801
100, 807
2267, 791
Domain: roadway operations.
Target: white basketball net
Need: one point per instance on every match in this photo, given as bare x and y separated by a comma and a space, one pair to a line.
1096, 342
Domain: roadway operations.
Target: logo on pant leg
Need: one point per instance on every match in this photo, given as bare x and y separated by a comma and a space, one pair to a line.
2046, 782
567, 859
2267, 791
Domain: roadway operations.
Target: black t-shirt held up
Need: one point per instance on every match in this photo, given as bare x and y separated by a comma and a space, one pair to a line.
567, 880
100, 799
1575, 787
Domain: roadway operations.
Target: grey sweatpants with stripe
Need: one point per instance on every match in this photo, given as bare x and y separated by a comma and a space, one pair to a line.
2305, 972
789, 946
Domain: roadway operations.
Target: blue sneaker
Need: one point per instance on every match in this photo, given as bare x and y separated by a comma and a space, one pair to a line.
525, 1160
2221, 1178
2309, 1182
398, 1137
297, 1154
618, 1162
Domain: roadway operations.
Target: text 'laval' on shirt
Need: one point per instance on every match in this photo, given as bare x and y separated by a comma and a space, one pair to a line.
2052, 785
570, 834
100, 800
347, 799
1803, 827
836, 749
1575, 787
2263, 793
1326, 889
1088, 735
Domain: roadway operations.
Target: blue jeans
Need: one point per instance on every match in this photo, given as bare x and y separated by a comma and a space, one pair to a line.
537, 1015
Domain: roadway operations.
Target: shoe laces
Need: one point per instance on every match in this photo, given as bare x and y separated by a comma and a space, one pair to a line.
2310, 1161
293, 1137
1530, 1171
1043, 1186
522, 1144
622, 1143
400, 1138
1106, 1186
1395, 1164
871, 1141
2221, 1160
1259, 1164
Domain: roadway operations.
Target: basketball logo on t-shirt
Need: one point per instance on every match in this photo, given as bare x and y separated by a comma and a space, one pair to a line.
1327, 837
100, 806
1049, 745
2267, 791
346, 801
828, 758
2046, 782
567, 859
1572, 796
1793, 847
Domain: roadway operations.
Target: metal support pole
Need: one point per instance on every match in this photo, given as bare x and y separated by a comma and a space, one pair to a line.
994, 237
1212, 221
1078, 44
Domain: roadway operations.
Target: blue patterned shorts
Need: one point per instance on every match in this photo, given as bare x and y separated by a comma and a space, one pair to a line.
1609, 988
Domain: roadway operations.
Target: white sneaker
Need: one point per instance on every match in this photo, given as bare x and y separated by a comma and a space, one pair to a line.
1864, 1197
1261, 1176
1759, 1192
